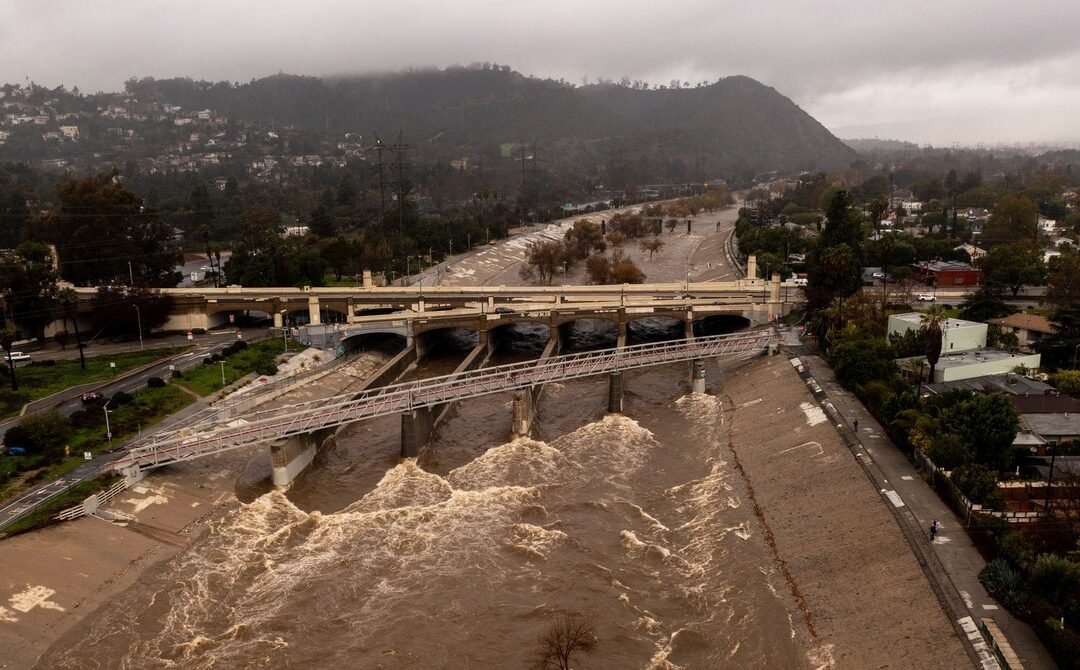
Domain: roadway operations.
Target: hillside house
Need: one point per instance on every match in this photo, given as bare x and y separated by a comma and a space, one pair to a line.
1029, 328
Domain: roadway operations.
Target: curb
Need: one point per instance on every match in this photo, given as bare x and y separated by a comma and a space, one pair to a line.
939, 578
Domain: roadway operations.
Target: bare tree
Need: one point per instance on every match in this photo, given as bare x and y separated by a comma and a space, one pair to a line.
566, 636
653, 245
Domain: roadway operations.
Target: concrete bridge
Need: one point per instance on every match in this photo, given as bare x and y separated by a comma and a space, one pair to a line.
295, 432
757, 299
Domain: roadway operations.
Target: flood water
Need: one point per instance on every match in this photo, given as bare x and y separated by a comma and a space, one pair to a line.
458, 559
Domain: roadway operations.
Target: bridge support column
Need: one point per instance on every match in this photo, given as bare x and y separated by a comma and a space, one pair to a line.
367, 283
774, 296
688, 331
524, 413
697, 376
279, 322
416, 428
615, 393
314, 318
290, 457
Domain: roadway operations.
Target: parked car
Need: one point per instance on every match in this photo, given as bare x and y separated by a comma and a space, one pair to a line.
926, 297
879, 275
91, 396
505, 310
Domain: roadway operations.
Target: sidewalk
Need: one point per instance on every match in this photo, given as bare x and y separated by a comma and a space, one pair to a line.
952, 561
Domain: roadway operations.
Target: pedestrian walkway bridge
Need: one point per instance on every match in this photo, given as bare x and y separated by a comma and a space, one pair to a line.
277, 424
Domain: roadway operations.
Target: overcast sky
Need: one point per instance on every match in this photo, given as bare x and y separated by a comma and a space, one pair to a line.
930, 71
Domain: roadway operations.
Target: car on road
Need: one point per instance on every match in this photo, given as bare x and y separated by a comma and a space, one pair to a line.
505, 310
879, 275
926, 297
91, 396
205, 268
17, 358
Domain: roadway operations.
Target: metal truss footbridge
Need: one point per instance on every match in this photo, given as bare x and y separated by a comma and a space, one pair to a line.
267, 426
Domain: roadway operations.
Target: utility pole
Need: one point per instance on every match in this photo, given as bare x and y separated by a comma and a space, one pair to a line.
379, 149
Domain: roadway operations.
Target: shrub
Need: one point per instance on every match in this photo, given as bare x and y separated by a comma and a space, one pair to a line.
121, 398
216, 358
155, 382
85, 418
176, 374
198, 331
979, 483
1054, 578
208, 361
16, 436
46, 433
1005, 583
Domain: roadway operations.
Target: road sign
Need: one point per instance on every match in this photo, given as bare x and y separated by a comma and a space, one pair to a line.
87, 455
112, 365
232, 318
239, 335
190, 336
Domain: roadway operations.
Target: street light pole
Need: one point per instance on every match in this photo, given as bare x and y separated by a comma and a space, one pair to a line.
138, 317
222, 374
108, 430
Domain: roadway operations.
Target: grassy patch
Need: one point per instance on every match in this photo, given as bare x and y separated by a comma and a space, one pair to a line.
43, 515
258, 357
38, 380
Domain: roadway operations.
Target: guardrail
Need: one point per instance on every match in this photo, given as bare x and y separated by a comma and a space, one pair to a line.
275, 424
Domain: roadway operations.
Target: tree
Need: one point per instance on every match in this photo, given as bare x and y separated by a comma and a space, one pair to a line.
113, 309
1013, 265
28, 288
989, 423
979, 483
1013, 218
7, 339
1064, 283
46, 433
652, 245
625, 271
858, 360
543, 258
102, 226
599, 269
932, 323
1058, 350
988, 302
564, 638
1067, 381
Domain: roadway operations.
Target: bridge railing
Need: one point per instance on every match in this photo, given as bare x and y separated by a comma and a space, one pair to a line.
284, 422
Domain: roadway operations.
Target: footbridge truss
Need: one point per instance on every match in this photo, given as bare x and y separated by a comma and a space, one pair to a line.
284, 422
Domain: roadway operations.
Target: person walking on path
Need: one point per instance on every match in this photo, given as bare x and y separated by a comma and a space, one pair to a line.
934, 528
856, 426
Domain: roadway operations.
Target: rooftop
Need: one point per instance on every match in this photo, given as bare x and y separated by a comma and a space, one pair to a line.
973, 356
944, 266
1010, 383
1053, 425
915, 319
1035, 322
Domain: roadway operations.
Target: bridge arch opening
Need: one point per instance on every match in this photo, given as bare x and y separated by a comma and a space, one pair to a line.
391, 343
720, 324
448, 341
239, 318
519, 341
655, 329
589, 334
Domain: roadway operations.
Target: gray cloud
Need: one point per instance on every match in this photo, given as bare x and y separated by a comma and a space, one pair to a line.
966, 70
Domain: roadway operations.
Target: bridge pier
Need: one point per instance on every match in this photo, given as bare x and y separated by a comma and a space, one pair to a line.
314, 317
279, 321
292, 456
526, 400
697, 376
615, 393
416, 428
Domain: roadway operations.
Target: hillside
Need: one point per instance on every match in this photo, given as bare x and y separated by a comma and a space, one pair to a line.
733, 125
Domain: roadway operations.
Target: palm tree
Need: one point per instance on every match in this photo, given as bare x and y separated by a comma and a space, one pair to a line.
933, 324
917, 368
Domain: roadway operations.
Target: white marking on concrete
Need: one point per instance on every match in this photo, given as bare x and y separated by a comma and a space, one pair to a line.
966, 597
820, 451
35, 596
750, 403
894, 498
987, 660
5, 615
906, 478
814, 414
990, 607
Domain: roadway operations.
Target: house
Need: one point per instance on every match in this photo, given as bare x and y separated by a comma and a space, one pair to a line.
1009, 383
1029, 328
973, 252
972, 363
70, 132
956, 334
1053, 428
947, 273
